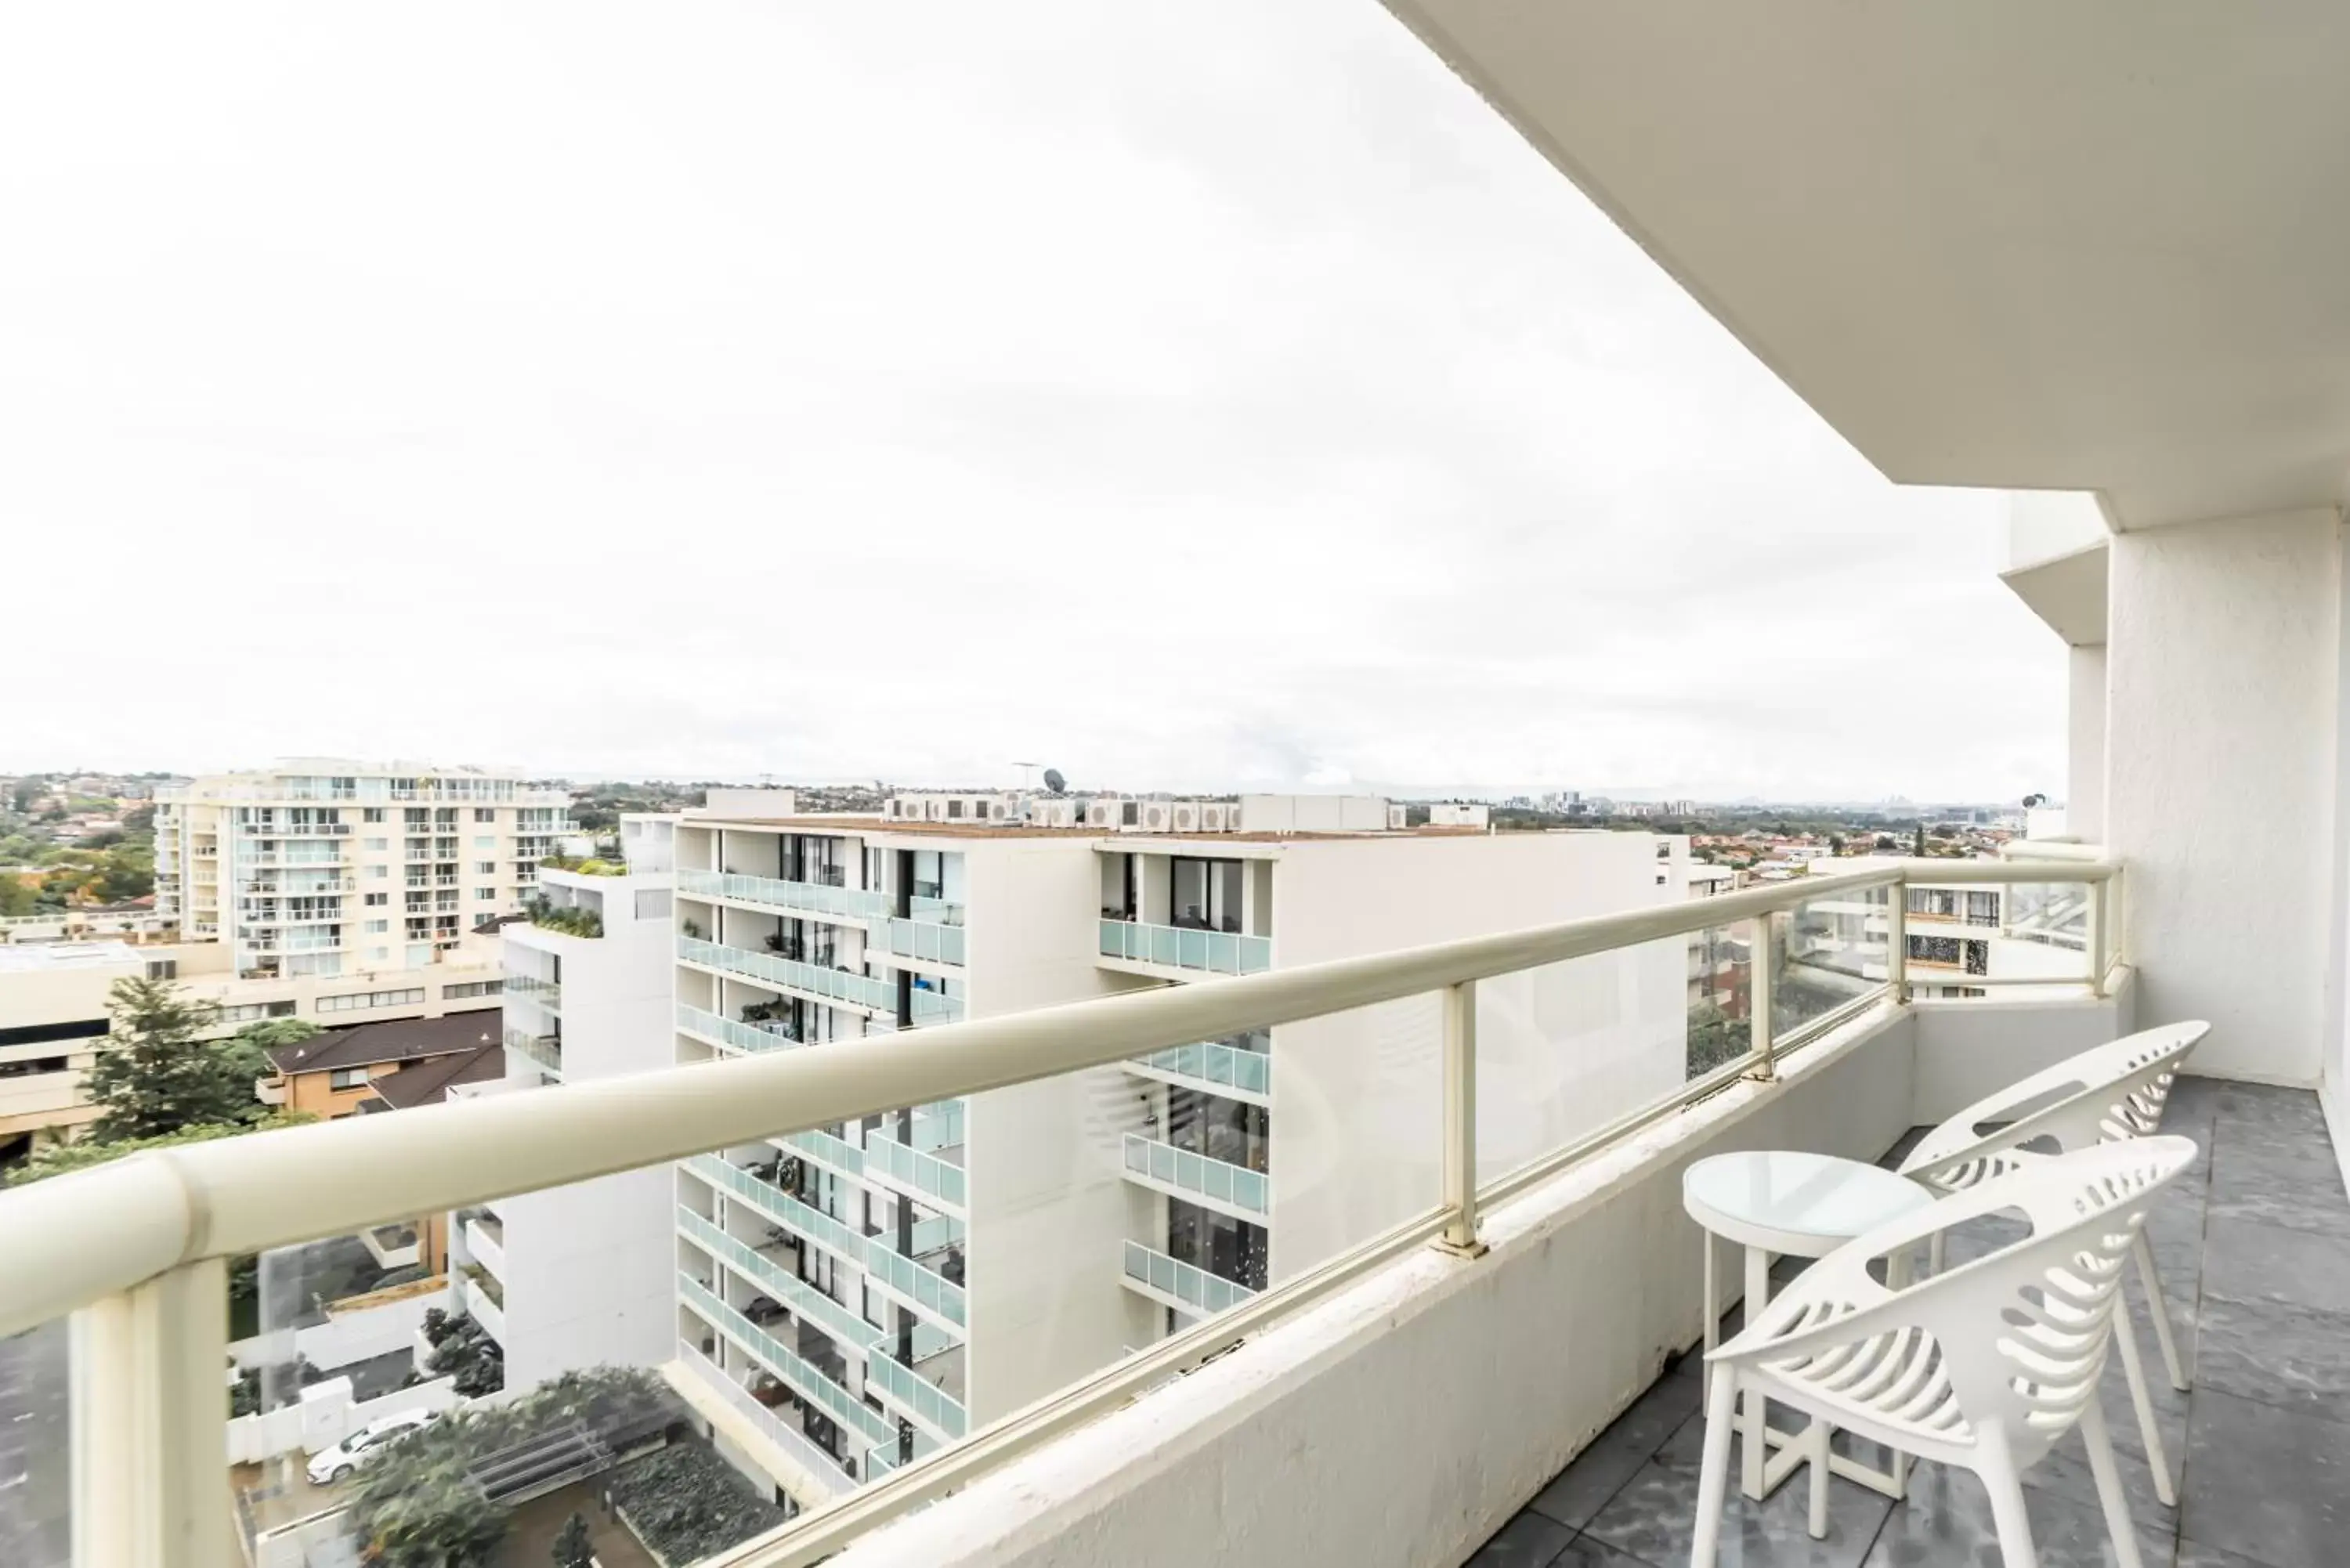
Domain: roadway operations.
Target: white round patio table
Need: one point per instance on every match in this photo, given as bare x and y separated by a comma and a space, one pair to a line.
1785, 1203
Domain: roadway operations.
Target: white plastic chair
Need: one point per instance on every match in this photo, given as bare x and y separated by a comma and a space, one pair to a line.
1984, 1367
2113, 1092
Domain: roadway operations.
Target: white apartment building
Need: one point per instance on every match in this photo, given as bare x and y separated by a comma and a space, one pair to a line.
856, 1295
581, 1275
326, 868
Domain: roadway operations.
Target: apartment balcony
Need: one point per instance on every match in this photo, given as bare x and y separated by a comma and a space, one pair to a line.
923, 1177
803, 1376
697, 1374
1182, 953
930, 1407
919, 940
1233, 1189
545, 1049
836, 1155
294, 830
546, 994
1170, 1282
1519, 1307
857, 906
833, 987
728, 1034
1235, 1070
484, 1308
772, 1278
485, 1243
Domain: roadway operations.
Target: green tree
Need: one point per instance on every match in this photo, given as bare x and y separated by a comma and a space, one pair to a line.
574, 1544
156, 1076
65, 1158
1917, 845
15, 898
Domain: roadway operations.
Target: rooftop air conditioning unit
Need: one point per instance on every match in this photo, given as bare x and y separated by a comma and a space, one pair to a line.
1155, 818
1097, 816
1212, 819
1186, 818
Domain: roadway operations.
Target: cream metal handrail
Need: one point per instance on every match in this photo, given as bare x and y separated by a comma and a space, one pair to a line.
138, 1247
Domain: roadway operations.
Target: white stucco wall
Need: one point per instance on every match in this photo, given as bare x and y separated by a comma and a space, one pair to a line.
1049, 1201
2084, 784
2222, 718
1356, 1134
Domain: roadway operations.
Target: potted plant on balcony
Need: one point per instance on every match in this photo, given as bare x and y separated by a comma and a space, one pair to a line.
693, 930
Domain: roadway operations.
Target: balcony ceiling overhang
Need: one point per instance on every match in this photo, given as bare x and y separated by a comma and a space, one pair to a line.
2068, 592
2096, 246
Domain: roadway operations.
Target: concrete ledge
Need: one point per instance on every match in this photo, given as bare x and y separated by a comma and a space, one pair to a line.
1399, 1424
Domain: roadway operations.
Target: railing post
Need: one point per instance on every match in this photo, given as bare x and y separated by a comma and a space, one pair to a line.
1460, 1236
1758, 1000
2097, 937
150, 1399
1896, 939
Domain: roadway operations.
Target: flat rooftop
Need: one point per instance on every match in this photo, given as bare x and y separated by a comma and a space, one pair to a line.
20, 957
875, 826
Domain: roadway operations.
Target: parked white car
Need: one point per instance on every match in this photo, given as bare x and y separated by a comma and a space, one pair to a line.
333, 1464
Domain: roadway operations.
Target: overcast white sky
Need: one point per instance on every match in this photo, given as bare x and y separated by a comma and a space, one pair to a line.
1185, 395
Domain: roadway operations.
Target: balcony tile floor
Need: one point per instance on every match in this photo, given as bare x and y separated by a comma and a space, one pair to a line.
2253, 1245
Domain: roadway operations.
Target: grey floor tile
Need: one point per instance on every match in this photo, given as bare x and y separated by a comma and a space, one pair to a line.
2272, 1186
1947, 1524
1654, 1520
2285, 1112
1528, 1540
2267, 1484
1613, 1457
2195, 1554
2294, 1357
2247, 1262
2192, 1101
1590, 1551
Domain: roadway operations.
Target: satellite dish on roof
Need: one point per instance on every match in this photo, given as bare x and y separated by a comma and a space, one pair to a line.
1054, 782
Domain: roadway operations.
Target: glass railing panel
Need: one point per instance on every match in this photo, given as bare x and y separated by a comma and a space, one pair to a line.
925, 1173
917, 1393
844, 1240
1827, 954
826, 1149
1186, 947
1216, 1063
771, 1277
939, 1126
761, 1037
1196, 1288
804, 1377
1197, 1174
915, 1281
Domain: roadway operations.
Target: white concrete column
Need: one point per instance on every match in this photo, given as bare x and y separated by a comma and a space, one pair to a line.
2222, 779
2084, 784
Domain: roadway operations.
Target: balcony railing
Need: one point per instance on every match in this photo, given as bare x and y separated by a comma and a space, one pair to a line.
143, 1242
803, 1376
546, 1050
1214, 1065
847, 905
731, 1034
935, 1180
844, 1241
1198, 1290
919, 940
923, 1285
1186, 947
490, 1252
773, 1279
916, 1394
1198, 1176
486, 1311
880, 1460
824, 1148
546, 993
774, 1427
833, 986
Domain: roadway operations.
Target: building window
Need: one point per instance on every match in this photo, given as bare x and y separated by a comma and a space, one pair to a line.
375, 845
378, 901
254, 1012
355, 1001
347, 1078
485, 868
483, 813
37, 1064
485, 841
486, 894
379, 928
472, 988
378, 872
162, 969
1934, 950
370, 814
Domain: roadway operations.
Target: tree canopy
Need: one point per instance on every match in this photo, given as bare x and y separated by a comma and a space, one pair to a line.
157, 1075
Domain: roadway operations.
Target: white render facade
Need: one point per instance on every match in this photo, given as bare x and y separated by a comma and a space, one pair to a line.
854, 1295
325, 867
580, 1275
